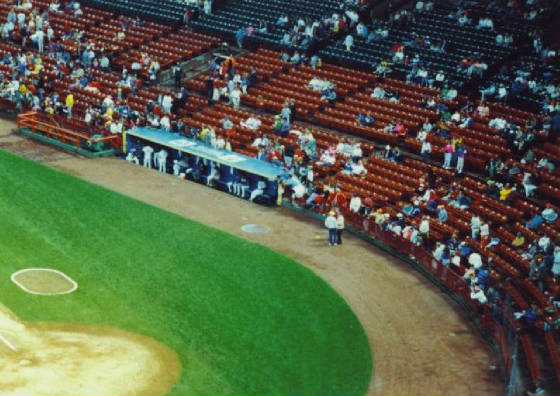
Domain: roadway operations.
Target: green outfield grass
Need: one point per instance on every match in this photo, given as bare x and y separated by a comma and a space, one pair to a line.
242, 318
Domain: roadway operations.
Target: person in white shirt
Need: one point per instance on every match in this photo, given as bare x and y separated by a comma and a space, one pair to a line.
361, 30
54, 6
451, 94
355, 203
252, 123
396, 227
456, 117
235, 97
160, 159
528, 184
258, 142
440, 78
349, 42
544, 243
438, 251
165, 123
353, 16
116, 128
499, 39
148, 151
502, 93
257, 192
166, 103
282, 20
475, 260
213, 175
331, 225
339, 227
132, 158
220, 143
378, 93
341, 147
153, 121
475, 227
108, 103
358, 169
498, 123
104, 62
327, 158
427, 126
357, 150
21, 19
89, 116
426, 150
176, 168
478, 295
50, 34
39, 37
424, 227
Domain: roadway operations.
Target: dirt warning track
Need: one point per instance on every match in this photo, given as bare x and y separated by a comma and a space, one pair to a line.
421, 342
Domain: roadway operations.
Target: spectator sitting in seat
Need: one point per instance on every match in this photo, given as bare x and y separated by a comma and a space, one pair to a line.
505, 192
549, 214
378, 92
365, 120
355, 203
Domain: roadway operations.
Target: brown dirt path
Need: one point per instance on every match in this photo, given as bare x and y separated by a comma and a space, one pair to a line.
421, 342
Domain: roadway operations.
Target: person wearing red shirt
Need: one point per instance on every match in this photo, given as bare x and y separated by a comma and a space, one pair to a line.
337, 198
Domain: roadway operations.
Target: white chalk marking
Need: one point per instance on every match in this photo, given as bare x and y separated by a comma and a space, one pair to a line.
74, 284
8, 343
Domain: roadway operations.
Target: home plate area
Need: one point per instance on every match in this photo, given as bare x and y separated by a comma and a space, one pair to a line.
44, 281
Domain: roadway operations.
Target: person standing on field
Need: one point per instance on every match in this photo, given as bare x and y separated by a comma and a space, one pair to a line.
339, 227
331, 224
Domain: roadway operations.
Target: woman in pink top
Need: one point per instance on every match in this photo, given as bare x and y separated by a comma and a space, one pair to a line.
400, 129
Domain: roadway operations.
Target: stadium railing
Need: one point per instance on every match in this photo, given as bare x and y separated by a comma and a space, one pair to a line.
39, 125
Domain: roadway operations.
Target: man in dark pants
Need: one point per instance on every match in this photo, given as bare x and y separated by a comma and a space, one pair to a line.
339, 226
177, 75
330, 224
210, 90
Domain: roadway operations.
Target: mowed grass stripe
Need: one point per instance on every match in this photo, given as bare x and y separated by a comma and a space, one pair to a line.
243, 318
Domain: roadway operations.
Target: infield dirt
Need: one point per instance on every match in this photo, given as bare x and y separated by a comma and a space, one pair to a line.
72, 359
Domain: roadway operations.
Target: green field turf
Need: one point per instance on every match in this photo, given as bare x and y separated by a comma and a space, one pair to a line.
242, 318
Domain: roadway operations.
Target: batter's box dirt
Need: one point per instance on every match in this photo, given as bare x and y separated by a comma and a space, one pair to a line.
44, 281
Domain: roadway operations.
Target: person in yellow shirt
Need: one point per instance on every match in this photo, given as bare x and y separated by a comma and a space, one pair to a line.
203, 132
108, 116
22, 89
69, 104
456, 139
37, 68
518, 241
505, 192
